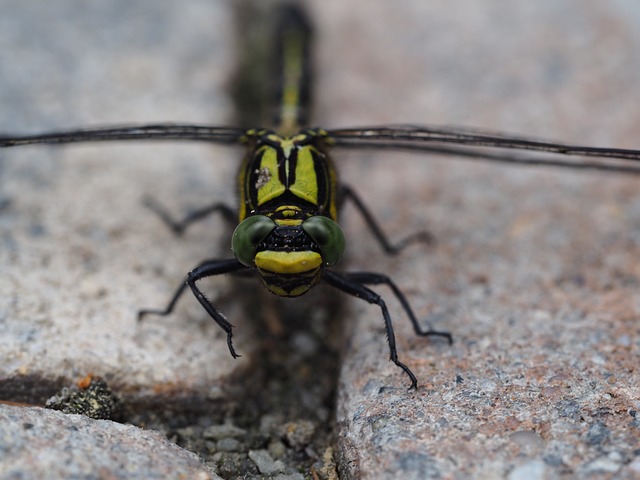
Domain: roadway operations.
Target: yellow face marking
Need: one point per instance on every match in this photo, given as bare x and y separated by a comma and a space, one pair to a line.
289, 274
288, 263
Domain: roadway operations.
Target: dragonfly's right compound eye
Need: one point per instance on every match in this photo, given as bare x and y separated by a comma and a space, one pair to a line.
329, 237
248, 235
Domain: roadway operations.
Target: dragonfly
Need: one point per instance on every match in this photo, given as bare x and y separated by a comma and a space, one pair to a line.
287, 230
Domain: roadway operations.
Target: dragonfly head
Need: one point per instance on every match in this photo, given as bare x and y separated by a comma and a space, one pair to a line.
288, 258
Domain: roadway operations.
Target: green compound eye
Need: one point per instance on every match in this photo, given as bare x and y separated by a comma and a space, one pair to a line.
329, 237
248, 235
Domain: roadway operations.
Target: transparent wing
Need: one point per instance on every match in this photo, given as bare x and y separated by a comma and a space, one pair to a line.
461, 142
439, 140
204, 133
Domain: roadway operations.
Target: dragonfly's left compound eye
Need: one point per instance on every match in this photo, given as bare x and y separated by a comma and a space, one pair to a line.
329, 237
248, 235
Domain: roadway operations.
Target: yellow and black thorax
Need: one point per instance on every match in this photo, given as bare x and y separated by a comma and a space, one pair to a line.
288, 210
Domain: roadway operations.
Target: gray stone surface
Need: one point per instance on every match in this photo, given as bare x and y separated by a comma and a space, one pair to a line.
80, 254
42, 444
536, 273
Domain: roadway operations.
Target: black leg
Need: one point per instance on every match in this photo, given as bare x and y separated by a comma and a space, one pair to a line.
418, 237
357, 289
179, 226
371, 278
205, 269
167, 311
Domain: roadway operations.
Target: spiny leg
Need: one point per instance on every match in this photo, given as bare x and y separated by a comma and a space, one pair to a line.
372, 278
166, 311
357, 289
179, 226
205, 269
346, 193
176, 296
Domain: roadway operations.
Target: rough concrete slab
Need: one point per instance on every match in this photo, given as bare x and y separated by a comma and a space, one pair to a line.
38, 443
535, 272
80, 254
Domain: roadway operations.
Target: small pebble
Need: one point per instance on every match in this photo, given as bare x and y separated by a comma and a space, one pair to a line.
265, 463
299, 433
228, 445
277, 449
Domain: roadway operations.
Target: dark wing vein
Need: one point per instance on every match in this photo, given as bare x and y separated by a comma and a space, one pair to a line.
459, 142
122, 133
